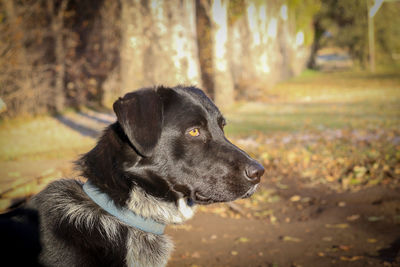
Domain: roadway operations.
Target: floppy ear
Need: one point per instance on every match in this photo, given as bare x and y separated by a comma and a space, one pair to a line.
140, 115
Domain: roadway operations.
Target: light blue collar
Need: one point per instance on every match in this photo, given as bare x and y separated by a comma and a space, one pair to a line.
123, 214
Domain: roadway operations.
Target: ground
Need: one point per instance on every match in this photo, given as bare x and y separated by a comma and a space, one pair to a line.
330, 144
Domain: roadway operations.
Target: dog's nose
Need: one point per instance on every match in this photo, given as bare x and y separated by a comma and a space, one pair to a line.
254, 171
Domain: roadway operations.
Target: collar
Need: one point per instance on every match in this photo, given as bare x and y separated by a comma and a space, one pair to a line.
123, 214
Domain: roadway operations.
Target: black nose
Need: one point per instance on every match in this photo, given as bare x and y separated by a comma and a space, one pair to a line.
254, 171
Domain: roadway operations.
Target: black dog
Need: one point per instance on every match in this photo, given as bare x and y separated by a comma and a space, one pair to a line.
166, 154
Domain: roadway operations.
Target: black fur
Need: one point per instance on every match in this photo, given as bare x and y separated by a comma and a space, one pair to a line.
149, 149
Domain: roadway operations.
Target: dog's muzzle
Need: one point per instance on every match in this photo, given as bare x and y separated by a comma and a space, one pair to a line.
250, 192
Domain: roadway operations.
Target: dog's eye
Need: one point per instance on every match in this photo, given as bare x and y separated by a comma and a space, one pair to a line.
194, 132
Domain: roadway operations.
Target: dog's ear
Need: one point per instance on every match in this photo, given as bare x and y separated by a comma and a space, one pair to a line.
140, 114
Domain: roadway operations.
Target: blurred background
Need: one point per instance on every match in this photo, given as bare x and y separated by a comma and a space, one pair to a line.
310, 88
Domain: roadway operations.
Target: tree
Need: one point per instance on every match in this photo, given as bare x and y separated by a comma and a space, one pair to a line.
347, 22
158, 44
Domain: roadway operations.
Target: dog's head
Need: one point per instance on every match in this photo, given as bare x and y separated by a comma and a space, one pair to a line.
179, 134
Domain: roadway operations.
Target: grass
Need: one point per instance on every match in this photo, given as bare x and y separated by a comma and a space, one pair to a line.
39, 138
315, 101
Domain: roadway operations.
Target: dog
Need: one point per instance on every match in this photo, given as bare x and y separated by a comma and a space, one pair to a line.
165, 155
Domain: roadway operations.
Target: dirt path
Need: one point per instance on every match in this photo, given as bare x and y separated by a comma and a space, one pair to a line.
306, 227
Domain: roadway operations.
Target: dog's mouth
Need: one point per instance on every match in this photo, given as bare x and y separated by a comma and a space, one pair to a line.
250, 192
199, 198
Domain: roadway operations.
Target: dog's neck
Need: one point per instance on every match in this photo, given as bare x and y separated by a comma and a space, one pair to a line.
162, 211
125, 215
99, 165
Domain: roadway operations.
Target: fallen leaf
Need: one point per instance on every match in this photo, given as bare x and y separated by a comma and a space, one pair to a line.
242, 240
337, 226
352, 258
295, 198
375, 218
291, 239
234, 253
272, 219
321, 254
353, 217
371, 240
344, 247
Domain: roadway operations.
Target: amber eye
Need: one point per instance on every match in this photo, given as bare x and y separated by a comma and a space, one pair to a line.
194, 132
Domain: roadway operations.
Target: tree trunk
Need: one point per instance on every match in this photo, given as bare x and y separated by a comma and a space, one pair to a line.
158, 44
204, 43
57, 27
223, 83
318, 31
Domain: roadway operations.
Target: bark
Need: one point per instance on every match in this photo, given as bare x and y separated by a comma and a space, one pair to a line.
223, 82
57, 28
263, 48
158, 44
318, 32
204, 43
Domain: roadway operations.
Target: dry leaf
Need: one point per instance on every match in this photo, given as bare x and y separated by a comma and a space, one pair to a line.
291, 239
337, 226
242, 240
344, 247
295, 198
353, 217
375, 218
352, 258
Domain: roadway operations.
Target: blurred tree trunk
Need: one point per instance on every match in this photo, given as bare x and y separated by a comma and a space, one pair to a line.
262, 46
158, 44
223, 82
256, 56
16, 29
57, 29
212, 32
204, 43
318, 32
132, 47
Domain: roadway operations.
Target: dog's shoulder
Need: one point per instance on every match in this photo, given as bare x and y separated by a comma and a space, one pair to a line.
58, 195
64, 202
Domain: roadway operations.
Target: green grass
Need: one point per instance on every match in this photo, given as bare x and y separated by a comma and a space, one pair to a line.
38, 138
315, 101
